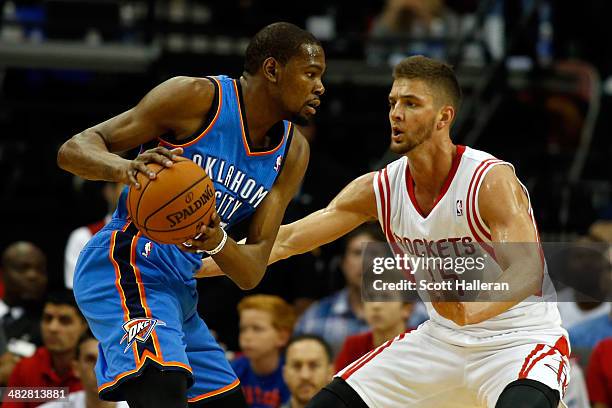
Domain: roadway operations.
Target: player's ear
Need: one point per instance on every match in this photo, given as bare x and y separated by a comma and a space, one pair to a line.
270, 69
445, 117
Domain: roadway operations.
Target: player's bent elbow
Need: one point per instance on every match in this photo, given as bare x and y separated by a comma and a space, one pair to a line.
251, 279
63, 155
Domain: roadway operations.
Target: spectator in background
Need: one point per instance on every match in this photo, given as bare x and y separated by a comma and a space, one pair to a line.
24, 272
51, 366
587, 334
407, 17
385, 319
84, 369
599, 375
308, 367
584, 271
576, 394
341, 314
80, 236
266, 323
417, 26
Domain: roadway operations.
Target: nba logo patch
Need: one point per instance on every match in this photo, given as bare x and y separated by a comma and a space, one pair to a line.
147, 249
277, 165
139, 330
459, 208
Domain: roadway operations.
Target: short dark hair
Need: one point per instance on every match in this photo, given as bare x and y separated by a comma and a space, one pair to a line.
64, 297
437, 74
313, 337
282, 41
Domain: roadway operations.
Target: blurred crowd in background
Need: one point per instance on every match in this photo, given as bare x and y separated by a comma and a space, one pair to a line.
537, 79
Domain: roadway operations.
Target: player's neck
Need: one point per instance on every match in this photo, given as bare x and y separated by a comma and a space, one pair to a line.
380, 336
260, 112
430, 162
266, 364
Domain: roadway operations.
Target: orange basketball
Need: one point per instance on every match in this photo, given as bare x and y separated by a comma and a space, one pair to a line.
171, 208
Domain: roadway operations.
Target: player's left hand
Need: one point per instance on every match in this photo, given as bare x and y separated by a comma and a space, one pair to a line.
208, 237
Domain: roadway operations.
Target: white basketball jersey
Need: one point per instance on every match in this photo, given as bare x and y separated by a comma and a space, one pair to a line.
454, 220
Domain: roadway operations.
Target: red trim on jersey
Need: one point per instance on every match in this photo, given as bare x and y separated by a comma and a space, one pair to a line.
535, 361
394, 246
529, 357
447, 182
560, 346
473, 188
381, 202
471, 209
360, 359
379, 350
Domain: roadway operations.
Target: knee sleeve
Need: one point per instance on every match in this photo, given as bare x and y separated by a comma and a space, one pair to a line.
230, 399
155, 388
525, 393
337, 394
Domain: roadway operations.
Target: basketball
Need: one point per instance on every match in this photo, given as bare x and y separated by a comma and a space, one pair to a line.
171, 208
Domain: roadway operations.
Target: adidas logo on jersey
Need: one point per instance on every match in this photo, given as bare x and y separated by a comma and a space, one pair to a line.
138, 329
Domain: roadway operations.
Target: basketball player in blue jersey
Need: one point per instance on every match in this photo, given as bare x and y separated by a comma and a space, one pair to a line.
139, 296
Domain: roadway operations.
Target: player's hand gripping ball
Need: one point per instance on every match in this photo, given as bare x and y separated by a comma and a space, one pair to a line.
172, 207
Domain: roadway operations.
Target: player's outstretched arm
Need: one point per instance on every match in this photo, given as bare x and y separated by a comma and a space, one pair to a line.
177, 106
246, 264
353, 206
504, 207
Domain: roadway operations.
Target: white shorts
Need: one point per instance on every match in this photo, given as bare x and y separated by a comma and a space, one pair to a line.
434, 366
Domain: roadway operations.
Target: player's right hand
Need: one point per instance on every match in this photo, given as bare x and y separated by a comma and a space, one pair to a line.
159, 155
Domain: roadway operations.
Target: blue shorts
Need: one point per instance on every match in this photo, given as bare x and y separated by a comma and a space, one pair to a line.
141, 304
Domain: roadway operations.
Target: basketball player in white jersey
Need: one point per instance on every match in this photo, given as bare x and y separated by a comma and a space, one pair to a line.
469, 354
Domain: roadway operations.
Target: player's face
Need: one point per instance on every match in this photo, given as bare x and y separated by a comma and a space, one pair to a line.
258, 336
385, 315
61, 327
307, 369
412, 114
301, 86
85, 364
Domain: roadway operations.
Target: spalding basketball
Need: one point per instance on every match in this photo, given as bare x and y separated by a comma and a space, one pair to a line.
172, 207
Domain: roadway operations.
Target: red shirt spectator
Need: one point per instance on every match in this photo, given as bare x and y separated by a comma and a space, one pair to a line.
37, 371
354, 347
599, 373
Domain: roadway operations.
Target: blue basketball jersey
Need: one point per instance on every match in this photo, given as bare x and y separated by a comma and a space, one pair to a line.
242, 175
139, 297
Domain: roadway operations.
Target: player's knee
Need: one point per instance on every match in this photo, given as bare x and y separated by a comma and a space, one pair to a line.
230, 399
155, 388
337, 394
526, 393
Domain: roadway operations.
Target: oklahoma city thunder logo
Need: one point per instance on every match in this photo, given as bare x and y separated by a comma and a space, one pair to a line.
138, 330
